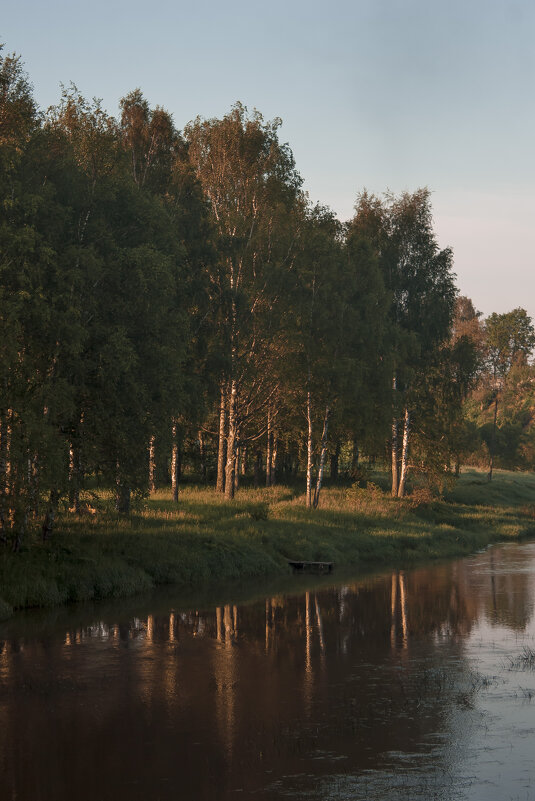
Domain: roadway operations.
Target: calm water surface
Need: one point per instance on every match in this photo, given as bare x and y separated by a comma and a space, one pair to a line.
412, 685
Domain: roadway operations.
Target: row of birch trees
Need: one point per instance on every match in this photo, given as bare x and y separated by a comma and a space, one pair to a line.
159, 288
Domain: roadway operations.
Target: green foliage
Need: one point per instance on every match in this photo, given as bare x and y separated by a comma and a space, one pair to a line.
510, 338
501, 406
207, 540
145, 274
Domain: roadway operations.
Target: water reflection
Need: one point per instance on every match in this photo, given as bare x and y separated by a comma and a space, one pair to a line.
394, 686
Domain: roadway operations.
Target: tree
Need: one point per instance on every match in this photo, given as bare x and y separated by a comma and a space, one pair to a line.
133, 315
467, 322
509, 339
251, 184
38, 313
419, 275
367, 403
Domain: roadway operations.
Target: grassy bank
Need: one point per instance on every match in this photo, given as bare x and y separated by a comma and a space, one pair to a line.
204, 539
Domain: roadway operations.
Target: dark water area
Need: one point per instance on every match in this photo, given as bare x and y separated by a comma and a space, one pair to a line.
414, 684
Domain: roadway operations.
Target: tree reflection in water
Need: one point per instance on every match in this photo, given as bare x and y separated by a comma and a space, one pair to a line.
363, 690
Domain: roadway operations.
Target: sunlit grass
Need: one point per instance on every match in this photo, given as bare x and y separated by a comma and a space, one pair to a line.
204, 538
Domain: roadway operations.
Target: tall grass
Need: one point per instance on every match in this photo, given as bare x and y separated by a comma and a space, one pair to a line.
204, 538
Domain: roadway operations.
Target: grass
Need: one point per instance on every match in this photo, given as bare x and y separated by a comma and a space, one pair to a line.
524, 661
205, 539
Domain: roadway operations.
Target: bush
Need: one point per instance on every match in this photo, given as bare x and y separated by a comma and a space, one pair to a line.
361, 475
421, 497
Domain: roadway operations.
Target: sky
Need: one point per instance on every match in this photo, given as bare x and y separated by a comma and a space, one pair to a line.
376, 94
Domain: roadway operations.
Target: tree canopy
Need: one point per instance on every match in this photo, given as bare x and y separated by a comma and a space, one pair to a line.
172, 298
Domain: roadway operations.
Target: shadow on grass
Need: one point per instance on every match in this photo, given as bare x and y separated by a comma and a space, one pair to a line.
205, 539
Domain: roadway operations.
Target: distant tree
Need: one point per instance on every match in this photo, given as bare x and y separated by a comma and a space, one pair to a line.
151, 141
467, 322
509, 340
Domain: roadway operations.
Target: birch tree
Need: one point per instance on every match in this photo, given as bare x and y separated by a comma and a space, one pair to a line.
251, 184
319, 338
420, 278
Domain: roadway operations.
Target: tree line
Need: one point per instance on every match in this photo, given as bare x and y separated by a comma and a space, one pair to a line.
169, 295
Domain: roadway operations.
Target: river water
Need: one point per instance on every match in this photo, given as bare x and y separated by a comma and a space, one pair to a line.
414, 684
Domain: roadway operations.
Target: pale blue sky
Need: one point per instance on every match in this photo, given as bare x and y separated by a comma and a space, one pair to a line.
373, 93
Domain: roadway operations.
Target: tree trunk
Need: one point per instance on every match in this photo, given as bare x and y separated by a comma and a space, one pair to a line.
152, 465
274, 451
404, 454
6, 476
335, 459
355, 456
220, 484
243, 469
395, 476
21, 523
33, 481
122, 493
122, 499
4, 484
202, 456
258, 469
309, 452
322, 456
231, 443
269, 447
50, 516
74, 491
237, 468
493, 440
76, 473
175, 463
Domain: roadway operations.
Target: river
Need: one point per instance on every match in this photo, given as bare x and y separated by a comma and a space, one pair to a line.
416, 684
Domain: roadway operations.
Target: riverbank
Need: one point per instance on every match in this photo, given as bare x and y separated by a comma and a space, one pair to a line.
205, 539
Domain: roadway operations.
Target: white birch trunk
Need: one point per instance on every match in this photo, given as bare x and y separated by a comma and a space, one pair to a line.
395, 476
404, 454
152, 464
269, 445
309, 452
220, 484
174, 464
237, 468
231, 443
493, 440
4, 452
322, 456
273, 471
7, 472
